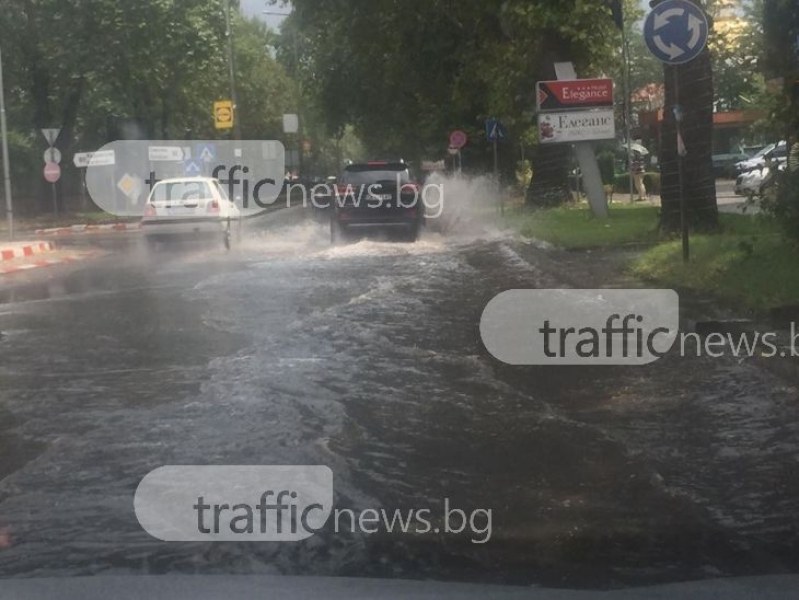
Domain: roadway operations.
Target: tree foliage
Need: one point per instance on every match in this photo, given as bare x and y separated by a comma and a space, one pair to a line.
101, 69
404, 74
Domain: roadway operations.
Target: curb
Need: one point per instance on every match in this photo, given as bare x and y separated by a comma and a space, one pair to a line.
8, 269
85, 228
24, 250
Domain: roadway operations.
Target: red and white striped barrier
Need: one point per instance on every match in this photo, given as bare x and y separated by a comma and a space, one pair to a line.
9, 267
23, 249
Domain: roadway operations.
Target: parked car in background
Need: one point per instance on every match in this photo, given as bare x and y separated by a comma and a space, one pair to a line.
777, 151
724, 165
757, 181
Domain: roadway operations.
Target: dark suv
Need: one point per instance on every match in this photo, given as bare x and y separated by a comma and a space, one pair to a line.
376, 195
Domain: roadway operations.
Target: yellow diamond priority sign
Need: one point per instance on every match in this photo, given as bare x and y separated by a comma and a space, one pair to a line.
223, 114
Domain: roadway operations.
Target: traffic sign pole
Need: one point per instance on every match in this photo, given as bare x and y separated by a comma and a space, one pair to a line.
686, 248
496, 180
584, 151
494, 132
676, 32
6, 162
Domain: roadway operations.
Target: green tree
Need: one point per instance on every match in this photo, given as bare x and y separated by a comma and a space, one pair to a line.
405, 74
141, 68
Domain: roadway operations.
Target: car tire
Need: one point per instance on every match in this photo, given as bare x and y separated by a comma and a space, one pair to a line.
413, 234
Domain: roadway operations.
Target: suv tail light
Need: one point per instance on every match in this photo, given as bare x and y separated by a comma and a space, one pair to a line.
344, 190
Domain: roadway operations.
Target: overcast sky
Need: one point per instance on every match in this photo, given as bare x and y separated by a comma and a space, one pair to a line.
255, 8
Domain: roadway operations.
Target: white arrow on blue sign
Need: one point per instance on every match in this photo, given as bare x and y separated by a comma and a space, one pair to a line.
495, 130
205, 152
193, 167
676, 31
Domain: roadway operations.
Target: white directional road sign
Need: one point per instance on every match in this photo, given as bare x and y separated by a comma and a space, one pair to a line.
165, 153
103, 158
81, 159
676, 31
51, 135
291, 123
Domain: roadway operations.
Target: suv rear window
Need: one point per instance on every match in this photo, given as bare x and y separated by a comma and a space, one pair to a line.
362, 174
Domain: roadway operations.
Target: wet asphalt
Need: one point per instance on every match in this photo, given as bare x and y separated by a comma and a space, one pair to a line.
366, 358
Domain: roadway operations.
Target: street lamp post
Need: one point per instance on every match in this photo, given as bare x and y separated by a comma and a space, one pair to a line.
232, 73
6, 165
627, 106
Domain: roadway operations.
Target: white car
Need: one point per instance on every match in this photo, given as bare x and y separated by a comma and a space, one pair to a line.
190, 208
778, 152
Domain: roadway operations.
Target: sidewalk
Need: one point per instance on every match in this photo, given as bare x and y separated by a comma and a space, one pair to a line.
86, 228
68, 223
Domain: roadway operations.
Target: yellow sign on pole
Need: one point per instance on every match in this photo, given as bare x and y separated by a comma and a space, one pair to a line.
223, 114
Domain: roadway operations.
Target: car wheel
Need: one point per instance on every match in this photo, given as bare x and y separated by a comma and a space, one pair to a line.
227, 235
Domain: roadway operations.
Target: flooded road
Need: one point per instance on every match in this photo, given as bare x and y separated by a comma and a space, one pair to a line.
366, 358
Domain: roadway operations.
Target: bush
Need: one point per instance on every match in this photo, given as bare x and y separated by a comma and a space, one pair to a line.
621, 183
25, 152
783, 203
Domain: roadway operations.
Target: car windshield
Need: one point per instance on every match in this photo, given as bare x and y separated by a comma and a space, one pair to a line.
366, 175
767, 150
180, 190
474, 298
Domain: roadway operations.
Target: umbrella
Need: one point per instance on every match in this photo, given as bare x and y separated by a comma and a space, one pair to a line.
636, 147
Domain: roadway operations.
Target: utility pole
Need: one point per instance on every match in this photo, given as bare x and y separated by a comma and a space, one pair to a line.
232, 73
6, 162
627, 106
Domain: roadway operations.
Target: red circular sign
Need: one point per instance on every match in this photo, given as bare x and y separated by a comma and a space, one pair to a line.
52, 172
458, 139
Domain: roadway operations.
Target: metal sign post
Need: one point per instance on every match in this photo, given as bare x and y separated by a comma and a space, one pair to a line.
457, 140
681, 153
579, 126
52, 158
676, 32
495, 131
6, 162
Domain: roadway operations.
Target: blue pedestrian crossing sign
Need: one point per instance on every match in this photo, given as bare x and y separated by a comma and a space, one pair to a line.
495, 130
193, 168
676, 31
205, 152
